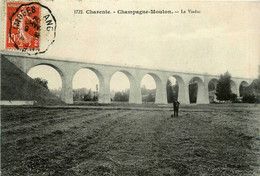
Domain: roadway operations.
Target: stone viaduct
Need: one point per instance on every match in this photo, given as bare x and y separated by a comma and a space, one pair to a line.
67, 70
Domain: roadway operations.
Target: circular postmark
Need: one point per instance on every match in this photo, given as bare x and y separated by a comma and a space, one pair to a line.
32, 28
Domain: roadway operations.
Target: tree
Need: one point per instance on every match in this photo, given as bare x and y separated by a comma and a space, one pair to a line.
148, 95
175, 91
118, 96
121, 96
242, 90
42, 82
256, 87
88, 96
233, 97
56, 92
150, 98
172, 91
250, 98
223, 91
144, 91
169, 92
193, 91
79, 94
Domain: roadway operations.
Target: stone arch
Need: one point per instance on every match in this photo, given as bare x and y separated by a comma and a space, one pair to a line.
132, 83
181, 87
212, 86
56, 92
159, 87
47, 64
100, 79
201, 91
99, 75
66, 89
233, 87
128, 75
242, 87
254, 81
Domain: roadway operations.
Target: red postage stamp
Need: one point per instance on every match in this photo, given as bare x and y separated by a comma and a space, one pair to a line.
30, 27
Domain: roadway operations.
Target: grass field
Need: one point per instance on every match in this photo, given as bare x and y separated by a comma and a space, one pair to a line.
203, 140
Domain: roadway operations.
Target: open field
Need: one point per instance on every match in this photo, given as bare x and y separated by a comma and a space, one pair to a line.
203, 140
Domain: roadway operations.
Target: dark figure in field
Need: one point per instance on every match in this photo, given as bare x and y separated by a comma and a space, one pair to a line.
176, 107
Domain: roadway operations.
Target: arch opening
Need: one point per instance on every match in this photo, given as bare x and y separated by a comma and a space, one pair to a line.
48, 76
212, 86
120, 86
243, 88
172, 89
86, 85
196, 90
149, 86
175, 89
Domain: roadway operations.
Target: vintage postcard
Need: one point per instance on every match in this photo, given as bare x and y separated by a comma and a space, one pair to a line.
94, 87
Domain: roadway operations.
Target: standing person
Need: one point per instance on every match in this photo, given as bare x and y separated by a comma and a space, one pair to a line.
176, 107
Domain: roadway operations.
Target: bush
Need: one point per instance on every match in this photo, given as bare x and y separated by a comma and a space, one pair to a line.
121, 96
233, 97
249, 99
42, 82
258, 99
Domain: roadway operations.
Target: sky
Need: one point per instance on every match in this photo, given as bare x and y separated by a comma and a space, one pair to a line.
225, 36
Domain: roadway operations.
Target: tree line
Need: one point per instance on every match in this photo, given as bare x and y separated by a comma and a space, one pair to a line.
250, 94
148, 95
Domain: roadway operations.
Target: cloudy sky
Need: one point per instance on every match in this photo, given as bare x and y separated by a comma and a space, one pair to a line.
223, 36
